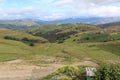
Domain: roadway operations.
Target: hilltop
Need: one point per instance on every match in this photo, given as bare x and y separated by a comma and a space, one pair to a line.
22, 24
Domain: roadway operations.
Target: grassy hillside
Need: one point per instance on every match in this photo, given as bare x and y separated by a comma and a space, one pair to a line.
66, 44
59, 33
107, 25
113, 47
81, 44
18, 24
71, 50
11, 49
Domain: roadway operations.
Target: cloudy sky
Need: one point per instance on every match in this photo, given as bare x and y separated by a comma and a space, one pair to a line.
58, 9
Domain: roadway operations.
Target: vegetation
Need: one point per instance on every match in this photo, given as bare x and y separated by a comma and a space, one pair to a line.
92, 37
68, 51
115, 36
104, 72
107, 25
67, 73
99, 37
65, 44
25, 40
59, 33
108, 72
111, 47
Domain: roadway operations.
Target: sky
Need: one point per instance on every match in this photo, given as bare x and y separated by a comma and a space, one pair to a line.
58, 9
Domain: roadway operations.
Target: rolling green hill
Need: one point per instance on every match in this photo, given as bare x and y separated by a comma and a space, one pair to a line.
59, 33
45, 54
74, 47
12, 49
70, 50
107, 25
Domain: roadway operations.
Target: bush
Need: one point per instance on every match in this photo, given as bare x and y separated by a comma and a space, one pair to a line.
74, 39
31, 44
108, 72
67, 73
25, 40
60, 41
11, 38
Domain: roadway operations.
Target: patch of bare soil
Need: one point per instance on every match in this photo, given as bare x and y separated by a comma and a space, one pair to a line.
19, 70
113, 61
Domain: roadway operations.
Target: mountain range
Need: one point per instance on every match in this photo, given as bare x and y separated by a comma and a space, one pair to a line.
89, 20
30, 23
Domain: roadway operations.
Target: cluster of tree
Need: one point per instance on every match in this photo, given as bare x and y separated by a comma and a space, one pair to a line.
25, 40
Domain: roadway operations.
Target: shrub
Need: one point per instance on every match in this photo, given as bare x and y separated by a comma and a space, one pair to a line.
60, 41
11, 38
67, 73
108, 72
74, 39
31, 44
25, 40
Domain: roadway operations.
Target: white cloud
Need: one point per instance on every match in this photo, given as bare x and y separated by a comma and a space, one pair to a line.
90, 8
60, 9
105, 11
75, 3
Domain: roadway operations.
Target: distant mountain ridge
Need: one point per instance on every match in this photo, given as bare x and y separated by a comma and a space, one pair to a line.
17, 24
89, 20
31, 23
109, 24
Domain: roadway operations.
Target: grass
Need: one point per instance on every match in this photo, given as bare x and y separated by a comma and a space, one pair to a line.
111, 47
72, 52
17, 34
69, 51
92, 37
64, 28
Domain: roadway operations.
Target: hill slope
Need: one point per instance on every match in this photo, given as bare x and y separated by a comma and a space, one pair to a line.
17, 24
106, 25
59, 33
68, 51
14, 49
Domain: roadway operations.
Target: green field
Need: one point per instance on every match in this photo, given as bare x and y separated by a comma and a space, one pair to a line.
61, 45
69, 51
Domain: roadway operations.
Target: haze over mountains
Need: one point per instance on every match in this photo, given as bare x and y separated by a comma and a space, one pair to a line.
89, 20
30, 23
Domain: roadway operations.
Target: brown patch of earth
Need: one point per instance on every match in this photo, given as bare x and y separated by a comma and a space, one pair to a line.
20, 70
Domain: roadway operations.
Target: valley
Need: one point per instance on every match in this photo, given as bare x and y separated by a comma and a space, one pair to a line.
39, 51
